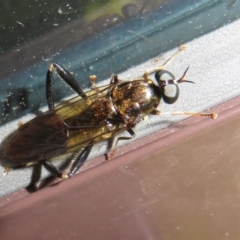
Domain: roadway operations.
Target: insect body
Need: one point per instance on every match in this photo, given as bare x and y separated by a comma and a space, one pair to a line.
89, 118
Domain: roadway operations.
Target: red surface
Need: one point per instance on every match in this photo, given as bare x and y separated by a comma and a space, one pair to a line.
180, 186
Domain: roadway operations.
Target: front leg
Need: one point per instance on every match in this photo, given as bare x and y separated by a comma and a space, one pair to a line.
150, 71
132, 135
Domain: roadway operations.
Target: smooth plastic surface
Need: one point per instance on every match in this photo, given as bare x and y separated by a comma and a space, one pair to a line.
187, 190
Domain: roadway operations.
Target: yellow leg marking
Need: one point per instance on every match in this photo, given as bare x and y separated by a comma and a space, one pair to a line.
150, 71
194, 114
20, 123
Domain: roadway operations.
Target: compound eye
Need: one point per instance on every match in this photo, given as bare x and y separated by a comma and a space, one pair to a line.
164, 76
169, 89
170, 93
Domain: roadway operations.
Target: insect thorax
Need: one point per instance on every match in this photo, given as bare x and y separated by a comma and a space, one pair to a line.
134, 100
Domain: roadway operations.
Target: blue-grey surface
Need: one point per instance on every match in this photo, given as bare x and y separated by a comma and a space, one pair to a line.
114, 50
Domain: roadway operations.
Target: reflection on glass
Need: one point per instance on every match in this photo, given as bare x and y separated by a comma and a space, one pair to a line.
91, 37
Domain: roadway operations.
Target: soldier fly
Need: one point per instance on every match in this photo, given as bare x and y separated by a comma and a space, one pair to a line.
91, 117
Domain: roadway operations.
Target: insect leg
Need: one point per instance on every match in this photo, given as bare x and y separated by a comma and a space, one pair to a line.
52, 169
115, 79
66, 76
50, 90
80, 160
194, 114
131, 132
92, 79
150, 71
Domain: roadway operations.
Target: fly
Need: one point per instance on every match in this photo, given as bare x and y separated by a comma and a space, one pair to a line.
91, 117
